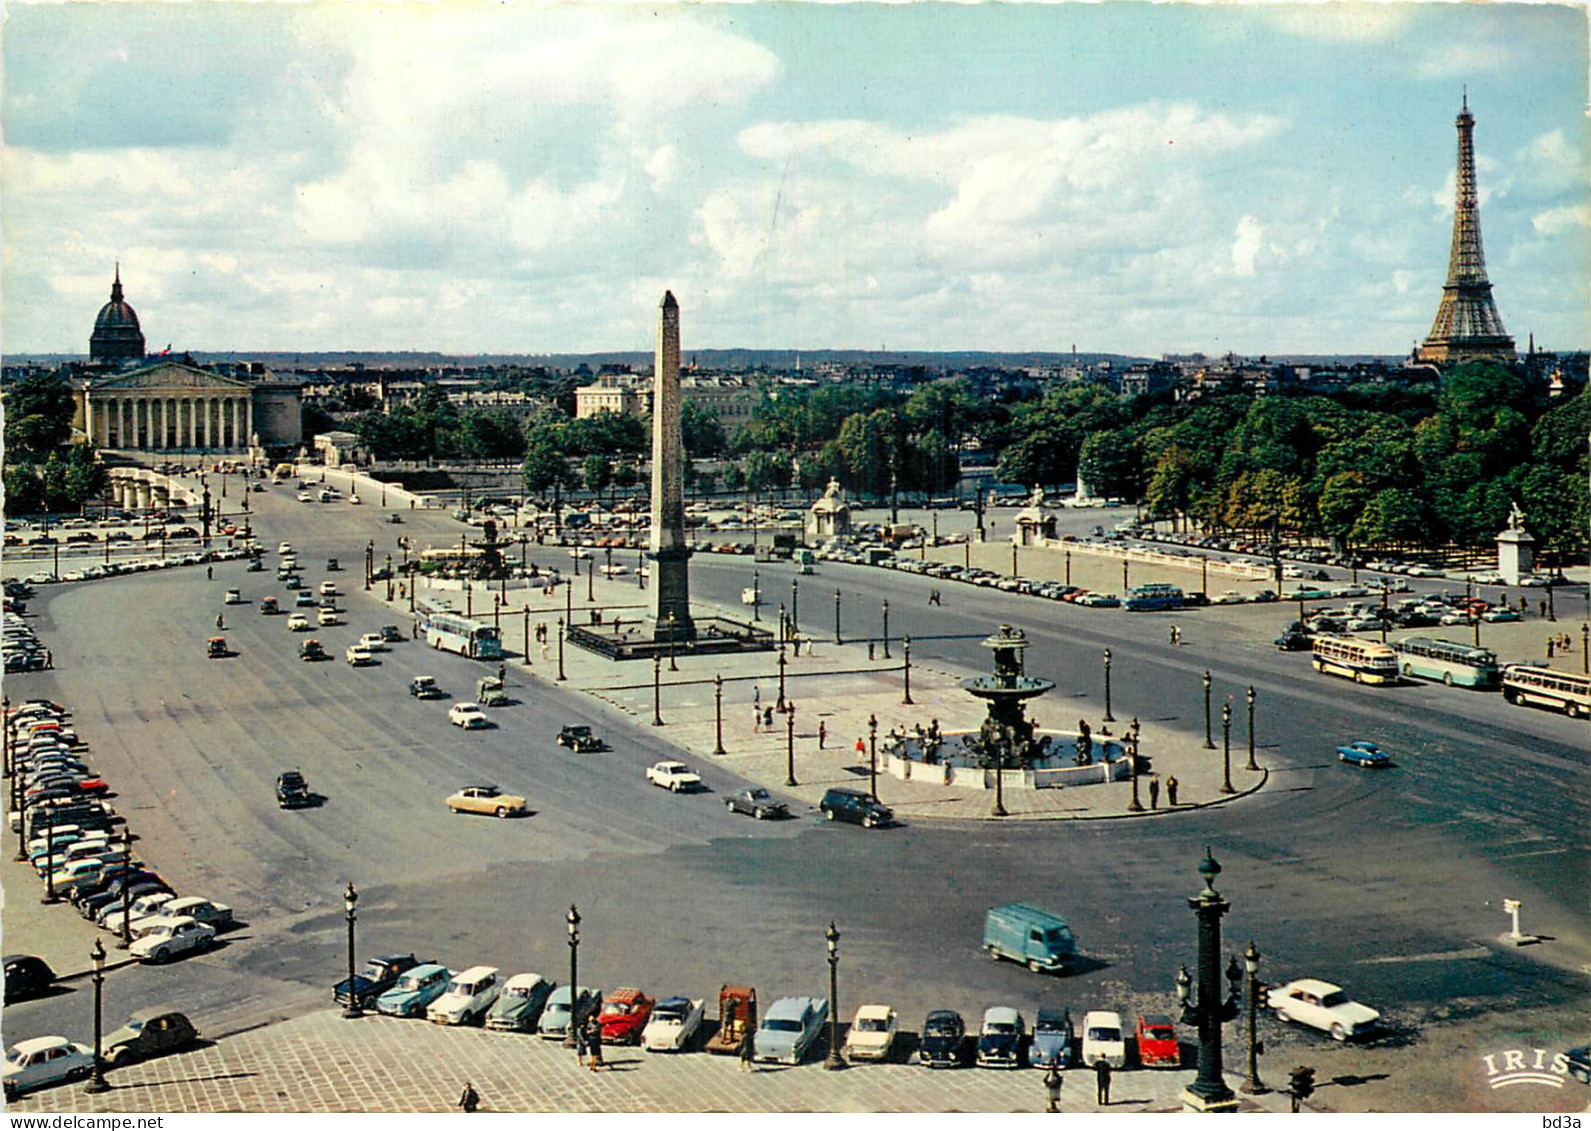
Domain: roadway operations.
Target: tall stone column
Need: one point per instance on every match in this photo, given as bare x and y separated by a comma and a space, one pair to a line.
204, 422
670, 589
193, 422
237, 422
248, 428
140, 411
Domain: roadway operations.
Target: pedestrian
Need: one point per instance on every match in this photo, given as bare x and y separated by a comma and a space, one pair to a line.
582, 1045
1102, 1082
756, 719
1172, 636
1154, 793
1052, 1085
209, 573
1543, 608
220, 620
594, 1043
49, 657
748, 1051
502, 673
1551, 644
823, 733
933, 597
767, 717
469, 1098
869, 649
1171, 791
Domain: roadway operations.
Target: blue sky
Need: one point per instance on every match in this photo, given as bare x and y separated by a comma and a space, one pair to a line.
463, 177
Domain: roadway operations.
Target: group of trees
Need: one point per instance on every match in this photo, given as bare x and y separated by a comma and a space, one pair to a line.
43, 470
432, 427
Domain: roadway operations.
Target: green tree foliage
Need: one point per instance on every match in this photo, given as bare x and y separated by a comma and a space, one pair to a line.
597, 472
703, 432
1051, 432
1111, 466
38, 412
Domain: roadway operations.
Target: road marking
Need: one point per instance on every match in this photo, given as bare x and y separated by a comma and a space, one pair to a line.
1434, 956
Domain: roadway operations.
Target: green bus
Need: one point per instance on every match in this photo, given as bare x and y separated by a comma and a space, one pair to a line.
1456, 665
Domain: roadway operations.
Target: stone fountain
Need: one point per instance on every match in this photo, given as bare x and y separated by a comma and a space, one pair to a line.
1006, 737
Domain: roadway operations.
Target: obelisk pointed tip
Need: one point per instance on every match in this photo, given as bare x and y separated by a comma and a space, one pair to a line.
669, 302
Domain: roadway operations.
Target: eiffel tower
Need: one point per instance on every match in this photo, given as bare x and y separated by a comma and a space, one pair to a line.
1467, 326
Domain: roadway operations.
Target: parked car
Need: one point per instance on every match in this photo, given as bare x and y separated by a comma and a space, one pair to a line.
27, 976
1579, 1063
757, 802
486, 799
292, 791
414, 991
469, 716
1156, 1034
166, 940
519, 1006
855, 807
1497, 616
1097, 600
673, 1024
579, 739
940, 1046
1366, 755
42, 1061
467, 997
148, 1033
624, 1016
872, 1035
1000, 1038
1103, 1039
1321, 1005
1053, 1035
789, 1029
217, 915
376, 977
424, 687
565, 1004
675, 777
135, 909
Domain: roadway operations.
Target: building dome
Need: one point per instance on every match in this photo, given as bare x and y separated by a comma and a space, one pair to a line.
116, 335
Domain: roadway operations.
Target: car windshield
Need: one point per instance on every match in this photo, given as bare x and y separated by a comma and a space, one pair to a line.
1159, 1033
669, 1013
134, 1023
1336, 997
872, 1025
558, 1007
616, 1009
757, 795
1000, 1027
783, 1025
1054, 935
14, 1056
373, 970
940, 1029
1104, 1034
521, 991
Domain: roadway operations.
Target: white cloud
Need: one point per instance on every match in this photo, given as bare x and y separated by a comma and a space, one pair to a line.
1556, 221
663, 167
1461, 60
1340, 22
1250, 238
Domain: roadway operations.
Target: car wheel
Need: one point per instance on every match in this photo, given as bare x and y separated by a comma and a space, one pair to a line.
1447, 678
162, 954
828, 814
502, 811
1338, 1033
1573, 711
1284, 1017
760, 814
79, 1073
1408, 670
1033, 965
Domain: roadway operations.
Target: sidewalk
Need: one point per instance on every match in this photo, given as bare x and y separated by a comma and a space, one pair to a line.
840, 687
323, 1063
53, 932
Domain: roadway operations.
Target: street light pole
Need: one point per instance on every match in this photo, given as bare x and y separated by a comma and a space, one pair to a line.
833, 1060
1251, 963
1208, 744
906, 671
886, 629
526, 613
96, 1081
1109, 718
1252, 765
657, 690
573, 921
718, 714
1209, 1092
350, 901
561, 676
872, 756
756, 589
780, 705
837, 616
795, 598
1226, 748
1134, 806
789, 745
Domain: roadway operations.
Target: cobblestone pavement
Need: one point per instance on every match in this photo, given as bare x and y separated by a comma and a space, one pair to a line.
322, 1063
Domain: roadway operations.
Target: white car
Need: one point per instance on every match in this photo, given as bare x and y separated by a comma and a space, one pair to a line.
468, 715
285, 549
1230, 597
469, 995
143, 907
673, 776
361, 658
354, 500
205, 911
1309, 1001
373, 642
233, 597
44, 1060
328, 589
872, 1035
673, 1023
170, 938
1103, 1039
327, 618
303, 497
297, 622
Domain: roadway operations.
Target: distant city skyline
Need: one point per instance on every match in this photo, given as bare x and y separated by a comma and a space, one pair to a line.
1131, 179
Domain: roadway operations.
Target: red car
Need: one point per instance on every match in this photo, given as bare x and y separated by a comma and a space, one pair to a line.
624, 1014
1157, 1042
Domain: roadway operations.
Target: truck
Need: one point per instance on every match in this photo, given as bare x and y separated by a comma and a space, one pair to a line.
737, 1016
1025, 933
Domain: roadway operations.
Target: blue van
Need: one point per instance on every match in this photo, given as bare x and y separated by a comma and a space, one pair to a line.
1039, 939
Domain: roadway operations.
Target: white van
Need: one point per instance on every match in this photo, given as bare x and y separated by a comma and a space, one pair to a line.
1103, 1039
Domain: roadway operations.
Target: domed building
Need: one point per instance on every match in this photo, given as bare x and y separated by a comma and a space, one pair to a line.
117, 336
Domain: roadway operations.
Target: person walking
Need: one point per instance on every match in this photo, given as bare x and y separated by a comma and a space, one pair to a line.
1171, 791
1551, 644
933, 597
220, 620
1102, 1082
767, 717
1154, 792
823, 733
594, 1043
1172, 636
748, 1051
209, 573
502, 674
582, 1045
1052, 1086
469, 1098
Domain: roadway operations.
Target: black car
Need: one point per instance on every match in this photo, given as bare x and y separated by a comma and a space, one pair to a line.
93, 898
1295, 638
579, 739
1579, 1059
378, 976
856, 807
149, 1032
292, 791
944, 1033
758, 802
26, 976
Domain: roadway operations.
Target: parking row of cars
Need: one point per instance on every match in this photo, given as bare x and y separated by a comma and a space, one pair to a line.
98, 570
23, 650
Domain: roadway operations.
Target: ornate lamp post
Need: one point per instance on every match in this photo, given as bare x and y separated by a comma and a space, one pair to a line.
795, 605
718, 714
572, 919
96, 1081
906, 671
1251, 963
1135, 805
1249, 696
833, 1060
779, 706
1208, 745
1210, 1011
756, 587
657, 690
837, 616
872, 755
1109, 718
370, 563
789, 744
350, 901
886, 629
561, 676
526, 614
49, 859
389, 577
1068, 567
1226, 748
1007, 740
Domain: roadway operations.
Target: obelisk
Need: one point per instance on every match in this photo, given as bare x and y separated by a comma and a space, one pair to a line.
670, 588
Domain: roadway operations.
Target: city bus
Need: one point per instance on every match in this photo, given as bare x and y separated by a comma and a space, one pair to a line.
1568, 692
1457, 665
1362, 661
457, 633
1153, 597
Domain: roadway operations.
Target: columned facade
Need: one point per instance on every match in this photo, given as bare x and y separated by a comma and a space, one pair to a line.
211, 413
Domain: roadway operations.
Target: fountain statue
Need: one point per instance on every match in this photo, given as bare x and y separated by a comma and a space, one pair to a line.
1006, 738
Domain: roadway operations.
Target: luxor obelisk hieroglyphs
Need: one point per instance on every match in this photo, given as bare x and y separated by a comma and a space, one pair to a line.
671, 591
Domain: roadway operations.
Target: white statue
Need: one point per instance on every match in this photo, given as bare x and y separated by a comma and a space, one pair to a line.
1516, 517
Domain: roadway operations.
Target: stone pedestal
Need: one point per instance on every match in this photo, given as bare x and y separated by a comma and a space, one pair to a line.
1516, 555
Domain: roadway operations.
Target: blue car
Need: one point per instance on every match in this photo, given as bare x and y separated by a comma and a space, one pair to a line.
1366, 755
790, 1029
415, 989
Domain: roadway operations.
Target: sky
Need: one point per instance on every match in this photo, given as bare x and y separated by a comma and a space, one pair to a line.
1131, 178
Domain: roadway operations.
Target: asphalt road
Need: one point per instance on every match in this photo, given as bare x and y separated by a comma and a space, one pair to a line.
1390, 883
